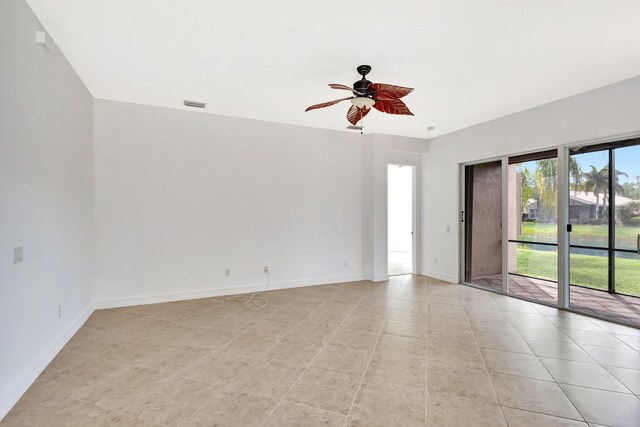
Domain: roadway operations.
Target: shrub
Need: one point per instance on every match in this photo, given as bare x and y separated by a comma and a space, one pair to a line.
629, 211
634, 221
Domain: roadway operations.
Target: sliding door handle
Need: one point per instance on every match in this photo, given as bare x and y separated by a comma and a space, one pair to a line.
638, 244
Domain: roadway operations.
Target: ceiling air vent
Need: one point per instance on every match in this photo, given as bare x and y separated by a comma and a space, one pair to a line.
194, 104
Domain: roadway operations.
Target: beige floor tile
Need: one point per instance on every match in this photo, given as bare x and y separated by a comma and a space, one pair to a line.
169, 359
511, 343
614, 356
352, 338
397, 369
520, 418
265, 378
325, 318
522, 365
388, 405
582, 374
456, 356
232, 410
172, 403
289, 414
216, 363
533, 395
596, 338
122, 389
342, 359
311, 333
410, 347
216, 368
629, 377
293, 353
325, 389
464, 382
248, 344
632, 341
455, 410
366, 324
558, 349
405, 329
605, 407
271, 328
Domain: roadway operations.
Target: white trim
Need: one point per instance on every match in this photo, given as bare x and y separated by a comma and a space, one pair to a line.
15, 391
505, 223
216, 292
440, 276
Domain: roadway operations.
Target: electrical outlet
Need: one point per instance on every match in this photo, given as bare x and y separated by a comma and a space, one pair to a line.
448, 229
346, 263
18, 255
435, 260
265, 269
59, 311
227, 272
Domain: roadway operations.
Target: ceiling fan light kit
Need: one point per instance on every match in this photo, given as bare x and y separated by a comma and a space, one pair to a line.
383, 97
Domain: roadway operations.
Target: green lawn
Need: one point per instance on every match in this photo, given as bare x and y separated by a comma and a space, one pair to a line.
595, 235
586, 270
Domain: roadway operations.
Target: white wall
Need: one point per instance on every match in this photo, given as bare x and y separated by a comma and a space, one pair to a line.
183, 196
46, 184
609, 111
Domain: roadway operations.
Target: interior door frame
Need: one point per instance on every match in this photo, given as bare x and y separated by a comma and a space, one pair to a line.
415, 212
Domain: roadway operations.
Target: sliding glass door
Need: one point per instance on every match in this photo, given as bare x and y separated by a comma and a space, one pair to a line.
572, 234
533, 226
604, 217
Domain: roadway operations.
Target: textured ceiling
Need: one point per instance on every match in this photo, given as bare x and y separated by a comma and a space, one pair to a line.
469, 60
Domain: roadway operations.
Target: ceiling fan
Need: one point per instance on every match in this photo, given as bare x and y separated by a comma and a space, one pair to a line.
383, 97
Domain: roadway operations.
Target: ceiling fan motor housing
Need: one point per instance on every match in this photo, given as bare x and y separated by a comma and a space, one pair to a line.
362, 85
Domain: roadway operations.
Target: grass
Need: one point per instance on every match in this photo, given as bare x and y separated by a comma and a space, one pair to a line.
595, 235
586, 270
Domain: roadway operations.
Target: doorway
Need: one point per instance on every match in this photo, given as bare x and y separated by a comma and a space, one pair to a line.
400, 219
482, 219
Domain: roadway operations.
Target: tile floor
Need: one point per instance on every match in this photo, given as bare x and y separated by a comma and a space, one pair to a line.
617, 307
411, 352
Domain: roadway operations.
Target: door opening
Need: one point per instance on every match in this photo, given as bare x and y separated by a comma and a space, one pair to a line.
400, 219
483, 225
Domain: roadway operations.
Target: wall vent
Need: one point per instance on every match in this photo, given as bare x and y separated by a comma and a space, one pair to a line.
194, 104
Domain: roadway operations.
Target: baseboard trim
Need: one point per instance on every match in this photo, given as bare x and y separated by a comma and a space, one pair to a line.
217, 292
15, 391
440, 276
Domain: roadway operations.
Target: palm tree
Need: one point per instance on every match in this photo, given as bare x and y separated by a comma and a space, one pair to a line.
617, 187
596, 181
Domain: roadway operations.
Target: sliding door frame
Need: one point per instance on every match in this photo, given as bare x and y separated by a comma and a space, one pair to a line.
564, 247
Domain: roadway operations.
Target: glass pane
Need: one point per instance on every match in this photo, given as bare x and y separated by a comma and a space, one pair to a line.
628, 274
483, 225
627, 199
588, 195
589, 268
538, 261
533, 200
533, 272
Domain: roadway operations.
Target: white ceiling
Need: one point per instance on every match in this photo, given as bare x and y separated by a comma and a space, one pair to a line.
469, 60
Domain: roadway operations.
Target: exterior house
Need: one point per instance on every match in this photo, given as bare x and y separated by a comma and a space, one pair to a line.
582, 207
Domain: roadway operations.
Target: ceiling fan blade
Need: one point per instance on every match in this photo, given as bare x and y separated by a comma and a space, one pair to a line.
385, 91
344, 87
392, 106
355, 114
327, 104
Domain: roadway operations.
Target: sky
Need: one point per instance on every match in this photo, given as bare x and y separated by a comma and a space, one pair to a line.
627, 160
